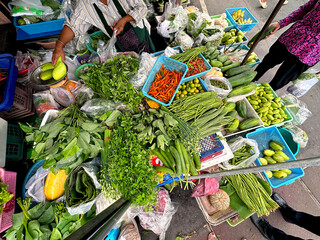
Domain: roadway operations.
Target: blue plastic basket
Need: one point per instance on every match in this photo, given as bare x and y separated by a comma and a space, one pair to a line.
209, 68
227, 29
7, 62
247, 14
263, 136
169, 64
247, 48
31, 172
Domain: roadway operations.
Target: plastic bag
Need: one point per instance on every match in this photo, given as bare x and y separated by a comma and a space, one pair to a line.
213, 36
298, 135
83, 94
183, 40
26, 64
220, 91
159, 219
168, 52
297, 109
234, 146
304, 83
28, 8
176, 14
166, 28
106, 51
34, 186
146, 64
99, 106
207, 186
129, 231
44, 101
91, 168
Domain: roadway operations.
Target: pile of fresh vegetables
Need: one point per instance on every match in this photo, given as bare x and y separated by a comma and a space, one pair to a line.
95, 39
164, 84
242, 154
276, 155
189, 88
268, 106
110, 80
5, 196
231, 37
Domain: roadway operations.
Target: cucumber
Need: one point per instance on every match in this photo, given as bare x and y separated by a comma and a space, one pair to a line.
242, 108
196, 159
242, 78
228, 107
242, 90
185, 157
162, 158
233, 125
237, 70
232, 113
176, 156
248, 123
171, 158
214, 55
222, 58
163, 153
228, 62
215, 63
233, 65
265, 34
164, 169
178, 147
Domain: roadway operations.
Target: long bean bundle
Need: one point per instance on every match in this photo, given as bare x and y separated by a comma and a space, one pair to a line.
252, 193
188, 55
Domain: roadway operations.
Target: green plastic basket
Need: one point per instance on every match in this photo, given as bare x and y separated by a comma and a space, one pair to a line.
14, 149
89, 44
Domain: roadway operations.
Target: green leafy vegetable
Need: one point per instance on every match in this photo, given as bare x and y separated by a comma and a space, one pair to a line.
5, 196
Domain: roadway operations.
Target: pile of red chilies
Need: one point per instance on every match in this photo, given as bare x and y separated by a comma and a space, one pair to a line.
195, 66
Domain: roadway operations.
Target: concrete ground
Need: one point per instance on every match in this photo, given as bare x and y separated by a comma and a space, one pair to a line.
303, 194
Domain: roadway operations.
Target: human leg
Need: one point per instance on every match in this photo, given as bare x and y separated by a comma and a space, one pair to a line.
290, 69
270, 232
275, 56
305, 220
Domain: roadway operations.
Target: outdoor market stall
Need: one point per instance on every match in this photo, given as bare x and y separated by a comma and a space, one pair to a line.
115, 132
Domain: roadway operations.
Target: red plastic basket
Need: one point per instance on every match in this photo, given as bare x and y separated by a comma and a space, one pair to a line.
8, 178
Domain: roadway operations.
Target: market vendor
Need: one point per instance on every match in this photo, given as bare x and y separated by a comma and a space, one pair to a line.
126, 17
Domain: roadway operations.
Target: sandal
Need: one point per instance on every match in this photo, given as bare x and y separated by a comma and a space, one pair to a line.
263, 4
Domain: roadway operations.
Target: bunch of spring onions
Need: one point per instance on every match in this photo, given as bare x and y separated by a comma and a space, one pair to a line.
252, 193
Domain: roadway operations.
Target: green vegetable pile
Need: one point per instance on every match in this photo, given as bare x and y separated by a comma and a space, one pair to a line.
242, 154
45, 221
110, 80
79, 188
67, 141
5, 196
125, 167
218, 84
155, 128
96, 38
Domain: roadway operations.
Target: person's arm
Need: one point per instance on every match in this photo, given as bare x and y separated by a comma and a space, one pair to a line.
298, 14
66, 36
136, 14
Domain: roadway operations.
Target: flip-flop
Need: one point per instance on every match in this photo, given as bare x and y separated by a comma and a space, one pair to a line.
263, 4
212, 236
285, 2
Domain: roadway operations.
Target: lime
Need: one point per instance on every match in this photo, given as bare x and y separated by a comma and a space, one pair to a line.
202, 90
184, 86
192, 85
193, 93
196, 80
182, 95
185, 92
196, 91
192, 90
189, 93
178, 92
188, 89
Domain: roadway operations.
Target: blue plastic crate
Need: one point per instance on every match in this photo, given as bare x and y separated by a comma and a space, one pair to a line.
263, 136
169, 64
247, 48
7, 62
161, 52
247, 14
227, 29
209, 68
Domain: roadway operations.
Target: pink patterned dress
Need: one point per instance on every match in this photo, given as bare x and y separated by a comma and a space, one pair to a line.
302, 39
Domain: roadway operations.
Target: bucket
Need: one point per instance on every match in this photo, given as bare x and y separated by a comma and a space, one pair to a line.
287, 135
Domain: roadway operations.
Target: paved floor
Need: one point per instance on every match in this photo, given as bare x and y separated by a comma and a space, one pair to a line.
303, 195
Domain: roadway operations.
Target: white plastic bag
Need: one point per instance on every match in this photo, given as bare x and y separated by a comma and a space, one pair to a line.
298, 135
297, 109
213, 40
234, 146
35, 185
159, 219
29, 8
106, 51
129, 231
183, 40
166, 28
146, 63
220, 91
304, 83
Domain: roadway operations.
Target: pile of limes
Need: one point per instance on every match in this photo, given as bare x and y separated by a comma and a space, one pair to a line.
189, 88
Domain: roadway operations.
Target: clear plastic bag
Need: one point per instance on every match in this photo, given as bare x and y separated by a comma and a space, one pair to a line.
166, 28
146, 63
220, 91
129, 231
297, 109
213, 40
34, 186
304, 83
44, 101
183, 40
177, 15
298, 135
29, 8
234, 146
83, 94
106, 51
99, 106
159, 219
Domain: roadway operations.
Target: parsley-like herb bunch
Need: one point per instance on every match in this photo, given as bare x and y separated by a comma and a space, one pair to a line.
126, 168
110, 80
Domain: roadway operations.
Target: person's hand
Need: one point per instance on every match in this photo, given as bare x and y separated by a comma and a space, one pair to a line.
58, 51
276, 28
119, 26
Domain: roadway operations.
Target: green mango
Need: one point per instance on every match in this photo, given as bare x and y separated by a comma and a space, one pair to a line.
59, 71
47, 66
46, 75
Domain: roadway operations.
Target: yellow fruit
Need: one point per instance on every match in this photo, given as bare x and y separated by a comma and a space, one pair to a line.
284, 156
59, 60
268, 152
287, 171
279, 174
54, 185
269, 174
263, 161
59, 71
46, 75
47, 66
278, 157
